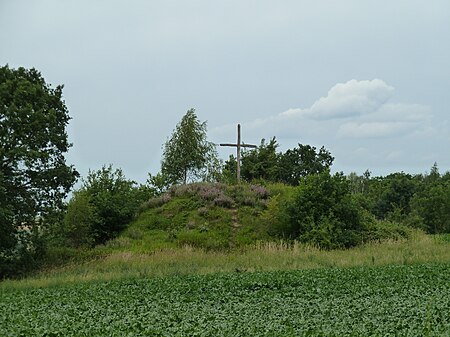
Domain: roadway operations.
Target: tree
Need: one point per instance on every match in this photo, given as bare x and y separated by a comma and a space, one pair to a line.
262, 162
158, 183
34, 177
359, 184
432, 205
431, 202
188, 154
289, 167
395, 193
302, 161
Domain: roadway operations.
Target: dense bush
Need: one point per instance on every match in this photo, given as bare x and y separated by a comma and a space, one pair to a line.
381, 230
102, 208
26, 255
322, 211
80, 221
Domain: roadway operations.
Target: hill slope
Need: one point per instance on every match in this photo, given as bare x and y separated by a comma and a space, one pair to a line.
209, 216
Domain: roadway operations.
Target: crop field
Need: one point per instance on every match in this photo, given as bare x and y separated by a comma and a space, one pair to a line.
406, 300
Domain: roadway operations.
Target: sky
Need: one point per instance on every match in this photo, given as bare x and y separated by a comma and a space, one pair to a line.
368, 80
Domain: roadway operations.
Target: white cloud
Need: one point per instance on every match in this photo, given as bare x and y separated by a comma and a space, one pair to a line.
353, 98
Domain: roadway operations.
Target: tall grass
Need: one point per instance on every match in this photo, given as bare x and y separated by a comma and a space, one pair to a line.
267, 256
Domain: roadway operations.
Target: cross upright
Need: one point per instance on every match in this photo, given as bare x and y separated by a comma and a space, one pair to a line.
238, 145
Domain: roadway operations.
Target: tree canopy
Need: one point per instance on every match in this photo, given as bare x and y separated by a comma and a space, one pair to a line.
302, 161
34, 176
289, 167
187, 154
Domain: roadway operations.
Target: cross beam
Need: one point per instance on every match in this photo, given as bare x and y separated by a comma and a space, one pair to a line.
238, 145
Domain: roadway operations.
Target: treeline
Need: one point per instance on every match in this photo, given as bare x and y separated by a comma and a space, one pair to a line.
420, 200
416, 200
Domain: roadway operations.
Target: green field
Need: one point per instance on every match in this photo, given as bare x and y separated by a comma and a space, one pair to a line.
406, 300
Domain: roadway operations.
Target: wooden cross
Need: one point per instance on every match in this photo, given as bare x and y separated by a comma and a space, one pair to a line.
238, 152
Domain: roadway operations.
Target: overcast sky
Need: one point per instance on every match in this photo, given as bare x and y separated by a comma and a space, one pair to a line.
369, 80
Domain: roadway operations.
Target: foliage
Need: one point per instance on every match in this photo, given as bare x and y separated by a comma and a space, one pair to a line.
396, 192
302, 161
359, 184
187, 154
159, 183
323, 212
382, 230
79, 224
228, 174
382, 301
431, 205
420, 201
265, 163
27, 255
103, 206
34, 177
260, 163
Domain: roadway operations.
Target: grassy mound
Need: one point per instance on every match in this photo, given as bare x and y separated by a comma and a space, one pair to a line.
201, 215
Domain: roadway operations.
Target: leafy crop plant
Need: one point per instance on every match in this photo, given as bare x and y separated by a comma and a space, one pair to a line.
384, 301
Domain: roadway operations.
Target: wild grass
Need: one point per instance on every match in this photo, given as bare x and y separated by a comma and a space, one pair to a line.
264, 256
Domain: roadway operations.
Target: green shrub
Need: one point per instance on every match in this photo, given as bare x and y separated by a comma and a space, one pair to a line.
279, 189
381, 230
275, 219
323, 212
26, 256
80, 221
114, 199
396, 192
